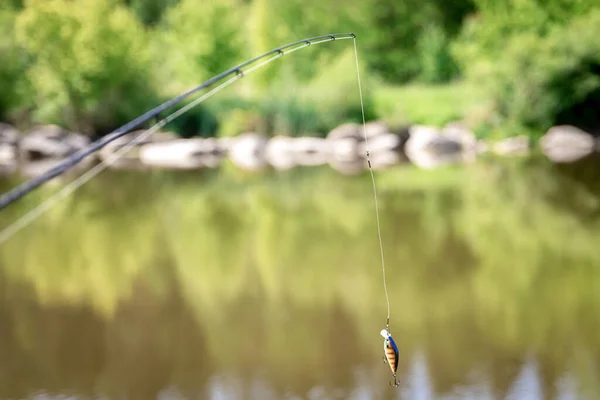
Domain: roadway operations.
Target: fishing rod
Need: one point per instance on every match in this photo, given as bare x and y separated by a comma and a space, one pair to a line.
18, 192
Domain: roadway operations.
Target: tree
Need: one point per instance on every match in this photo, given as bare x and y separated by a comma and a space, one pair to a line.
406, 37
195, 43
150, 12
13, 86
540, 61
92, 69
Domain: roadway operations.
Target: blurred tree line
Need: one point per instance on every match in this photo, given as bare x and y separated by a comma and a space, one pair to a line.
92, 65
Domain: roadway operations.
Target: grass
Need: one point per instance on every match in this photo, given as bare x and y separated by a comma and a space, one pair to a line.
430, 104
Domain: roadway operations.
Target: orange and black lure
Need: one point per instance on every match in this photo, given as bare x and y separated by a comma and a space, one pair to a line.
391, 353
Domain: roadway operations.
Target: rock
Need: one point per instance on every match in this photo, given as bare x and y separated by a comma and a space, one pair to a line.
348, 146
212, 154
343, 143
513, 146
382, 143
279, 152
310, 151
344, 131
248, 151
344, 149
224, 144
471, 147
51, 141
461, 134
565, 143
112, 153
385, 160
428, 148
8, 134
385, 150
8, 154
375, 128
181, 153
9, 138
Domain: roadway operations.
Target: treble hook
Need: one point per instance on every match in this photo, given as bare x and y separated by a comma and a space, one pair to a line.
396, 384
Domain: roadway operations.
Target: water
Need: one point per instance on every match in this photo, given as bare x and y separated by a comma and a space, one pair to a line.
188, 285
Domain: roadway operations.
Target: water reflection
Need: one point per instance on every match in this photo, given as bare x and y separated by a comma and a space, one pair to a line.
153, 285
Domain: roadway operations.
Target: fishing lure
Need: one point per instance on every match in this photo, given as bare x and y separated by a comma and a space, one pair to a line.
391, 354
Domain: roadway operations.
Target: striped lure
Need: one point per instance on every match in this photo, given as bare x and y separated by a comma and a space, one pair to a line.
391, 353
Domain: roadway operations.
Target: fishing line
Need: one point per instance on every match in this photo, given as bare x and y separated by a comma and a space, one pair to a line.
391, 353
36, 212
362, 107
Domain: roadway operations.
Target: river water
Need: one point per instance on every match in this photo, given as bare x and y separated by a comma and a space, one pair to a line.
228, 285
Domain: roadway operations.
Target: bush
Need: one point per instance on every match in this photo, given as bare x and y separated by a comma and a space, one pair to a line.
334, 93
195, 43
90, 74
13, 86
150, 12
288, 107
410, 39
199, 121
537, 61
435, 60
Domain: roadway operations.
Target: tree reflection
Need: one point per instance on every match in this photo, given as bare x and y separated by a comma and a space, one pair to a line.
152, 282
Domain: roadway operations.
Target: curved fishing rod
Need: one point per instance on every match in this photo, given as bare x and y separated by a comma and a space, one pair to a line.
16, 193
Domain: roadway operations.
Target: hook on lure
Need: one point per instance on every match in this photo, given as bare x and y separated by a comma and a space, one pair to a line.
391, 354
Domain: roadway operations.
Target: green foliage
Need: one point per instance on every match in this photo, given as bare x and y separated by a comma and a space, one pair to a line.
199, 121
429, 104
294, 20
334, 92
12, 4
436, 63
292, 108
195, 43
13, 85
411, 38
537, 60
150, 12
88, 73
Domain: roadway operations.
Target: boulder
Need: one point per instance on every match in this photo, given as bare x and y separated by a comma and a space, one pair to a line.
427, 147
9, 138
113, 154
180, 153
310, 151
344, 148
565, 143
248, 151
343, 143
50, 141
279, 152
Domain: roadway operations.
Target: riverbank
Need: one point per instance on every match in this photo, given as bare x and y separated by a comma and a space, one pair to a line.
343, 149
